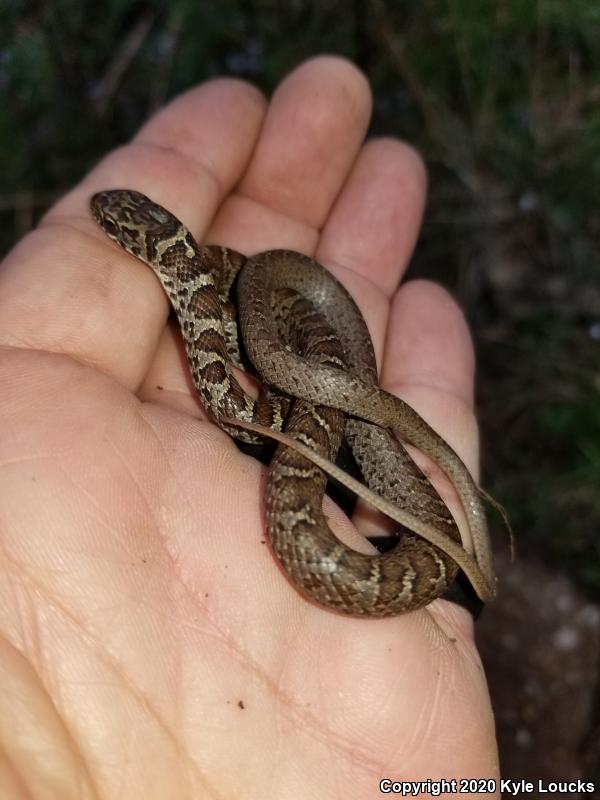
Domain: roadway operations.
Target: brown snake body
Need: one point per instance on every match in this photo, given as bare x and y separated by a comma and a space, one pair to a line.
305, 337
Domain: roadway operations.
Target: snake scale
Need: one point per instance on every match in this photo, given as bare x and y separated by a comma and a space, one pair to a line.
307, 340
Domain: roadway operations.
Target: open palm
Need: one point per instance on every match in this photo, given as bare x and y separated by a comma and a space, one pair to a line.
149, 645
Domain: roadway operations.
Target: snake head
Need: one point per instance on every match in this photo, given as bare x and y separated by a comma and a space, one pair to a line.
133, 221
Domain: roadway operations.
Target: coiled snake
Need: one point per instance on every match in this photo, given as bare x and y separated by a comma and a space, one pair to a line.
306, 339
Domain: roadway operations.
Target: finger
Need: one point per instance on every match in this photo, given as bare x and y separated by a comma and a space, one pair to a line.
65, 288
312, 133
371, 231
429, 362
367, 242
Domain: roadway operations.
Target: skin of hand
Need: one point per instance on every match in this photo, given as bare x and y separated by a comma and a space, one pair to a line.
150, 647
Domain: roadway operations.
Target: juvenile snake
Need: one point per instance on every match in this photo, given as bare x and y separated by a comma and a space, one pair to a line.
306, 339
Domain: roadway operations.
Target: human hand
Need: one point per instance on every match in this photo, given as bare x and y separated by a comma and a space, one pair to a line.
150, 647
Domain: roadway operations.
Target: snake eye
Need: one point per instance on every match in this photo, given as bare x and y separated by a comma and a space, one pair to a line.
109, 226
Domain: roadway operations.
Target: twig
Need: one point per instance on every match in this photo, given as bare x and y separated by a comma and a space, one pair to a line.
130, 46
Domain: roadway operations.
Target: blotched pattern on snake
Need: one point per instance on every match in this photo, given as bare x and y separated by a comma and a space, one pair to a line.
307, 340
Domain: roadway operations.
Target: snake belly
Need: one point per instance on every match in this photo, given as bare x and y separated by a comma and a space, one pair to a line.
306, 337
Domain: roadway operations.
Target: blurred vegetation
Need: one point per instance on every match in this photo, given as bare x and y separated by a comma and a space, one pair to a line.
503, 100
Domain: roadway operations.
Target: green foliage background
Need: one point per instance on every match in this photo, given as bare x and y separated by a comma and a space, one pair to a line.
503, 100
